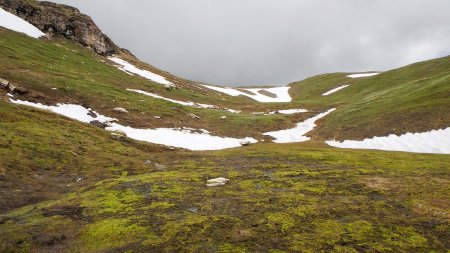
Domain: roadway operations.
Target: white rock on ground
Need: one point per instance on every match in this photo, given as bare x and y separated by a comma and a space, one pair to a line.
334, 90
281, 93
216, 182
435, 141
130, 68
17, 24
120, 109
297, 134
187, 138
362, 75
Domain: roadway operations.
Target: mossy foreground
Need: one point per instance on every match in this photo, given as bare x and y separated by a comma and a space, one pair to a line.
70, 187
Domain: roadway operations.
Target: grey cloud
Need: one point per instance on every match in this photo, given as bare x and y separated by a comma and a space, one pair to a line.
273, 42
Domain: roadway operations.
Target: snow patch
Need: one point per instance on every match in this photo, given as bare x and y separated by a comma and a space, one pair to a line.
334, 90
76, 112
362, 75
297, 134
435, 141
292, 111
188, 138
281, 94
182, 138
130, 68
196, 105
17, 24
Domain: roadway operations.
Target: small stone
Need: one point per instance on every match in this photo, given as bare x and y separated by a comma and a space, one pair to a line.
21, 90
79, 179
193, 209
4, 83
160, 166
99, 124
120, 109
223, 117
216, 182
148, 162
157, 117
193, 116
245, 143
117, 136
170, 86
242, 235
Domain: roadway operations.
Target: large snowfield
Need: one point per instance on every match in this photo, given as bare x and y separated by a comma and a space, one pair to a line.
17, 24
435, 141
130, 68
280, 94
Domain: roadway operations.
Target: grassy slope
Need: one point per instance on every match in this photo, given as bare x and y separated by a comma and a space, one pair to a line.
281, 198
82, 76
413, 98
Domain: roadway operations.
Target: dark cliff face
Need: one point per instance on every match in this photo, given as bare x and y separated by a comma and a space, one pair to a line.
62, 20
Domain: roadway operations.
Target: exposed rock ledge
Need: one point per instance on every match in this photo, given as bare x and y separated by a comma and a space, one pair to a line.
62, 20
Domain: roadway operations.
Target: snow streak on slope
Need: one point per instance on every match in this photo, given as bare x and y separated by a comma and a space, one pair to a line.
297, 134
182, 138
435, 141
130, 68
196, 105
17, 24
280, 94
334, 90
362, 75
76, 112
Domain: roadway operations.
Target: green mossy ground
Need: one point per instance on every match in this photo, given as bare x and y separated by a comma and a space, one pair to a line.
280, 198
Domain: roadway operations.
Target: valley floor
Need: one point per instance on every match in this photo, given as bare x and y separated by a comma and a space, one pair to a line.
69, 187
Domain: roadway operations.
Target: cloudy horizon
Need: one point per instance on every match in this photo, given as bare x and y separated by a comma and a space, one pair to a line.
272, 42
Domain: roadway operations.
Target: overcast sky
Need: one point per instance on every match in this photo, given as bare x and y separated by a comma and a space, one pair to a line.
273, 42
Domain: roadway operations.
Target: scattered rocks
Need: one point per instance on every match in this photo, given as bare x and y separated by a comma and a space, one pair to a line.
7, 85
120, 109
216, 182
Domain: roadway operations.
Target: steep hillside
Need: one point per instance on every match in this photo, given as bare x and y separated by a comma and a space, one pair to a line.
414, 98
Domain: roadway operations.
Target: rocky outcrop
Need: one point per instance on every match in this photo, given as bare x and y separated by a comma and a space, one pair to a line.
62, 20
